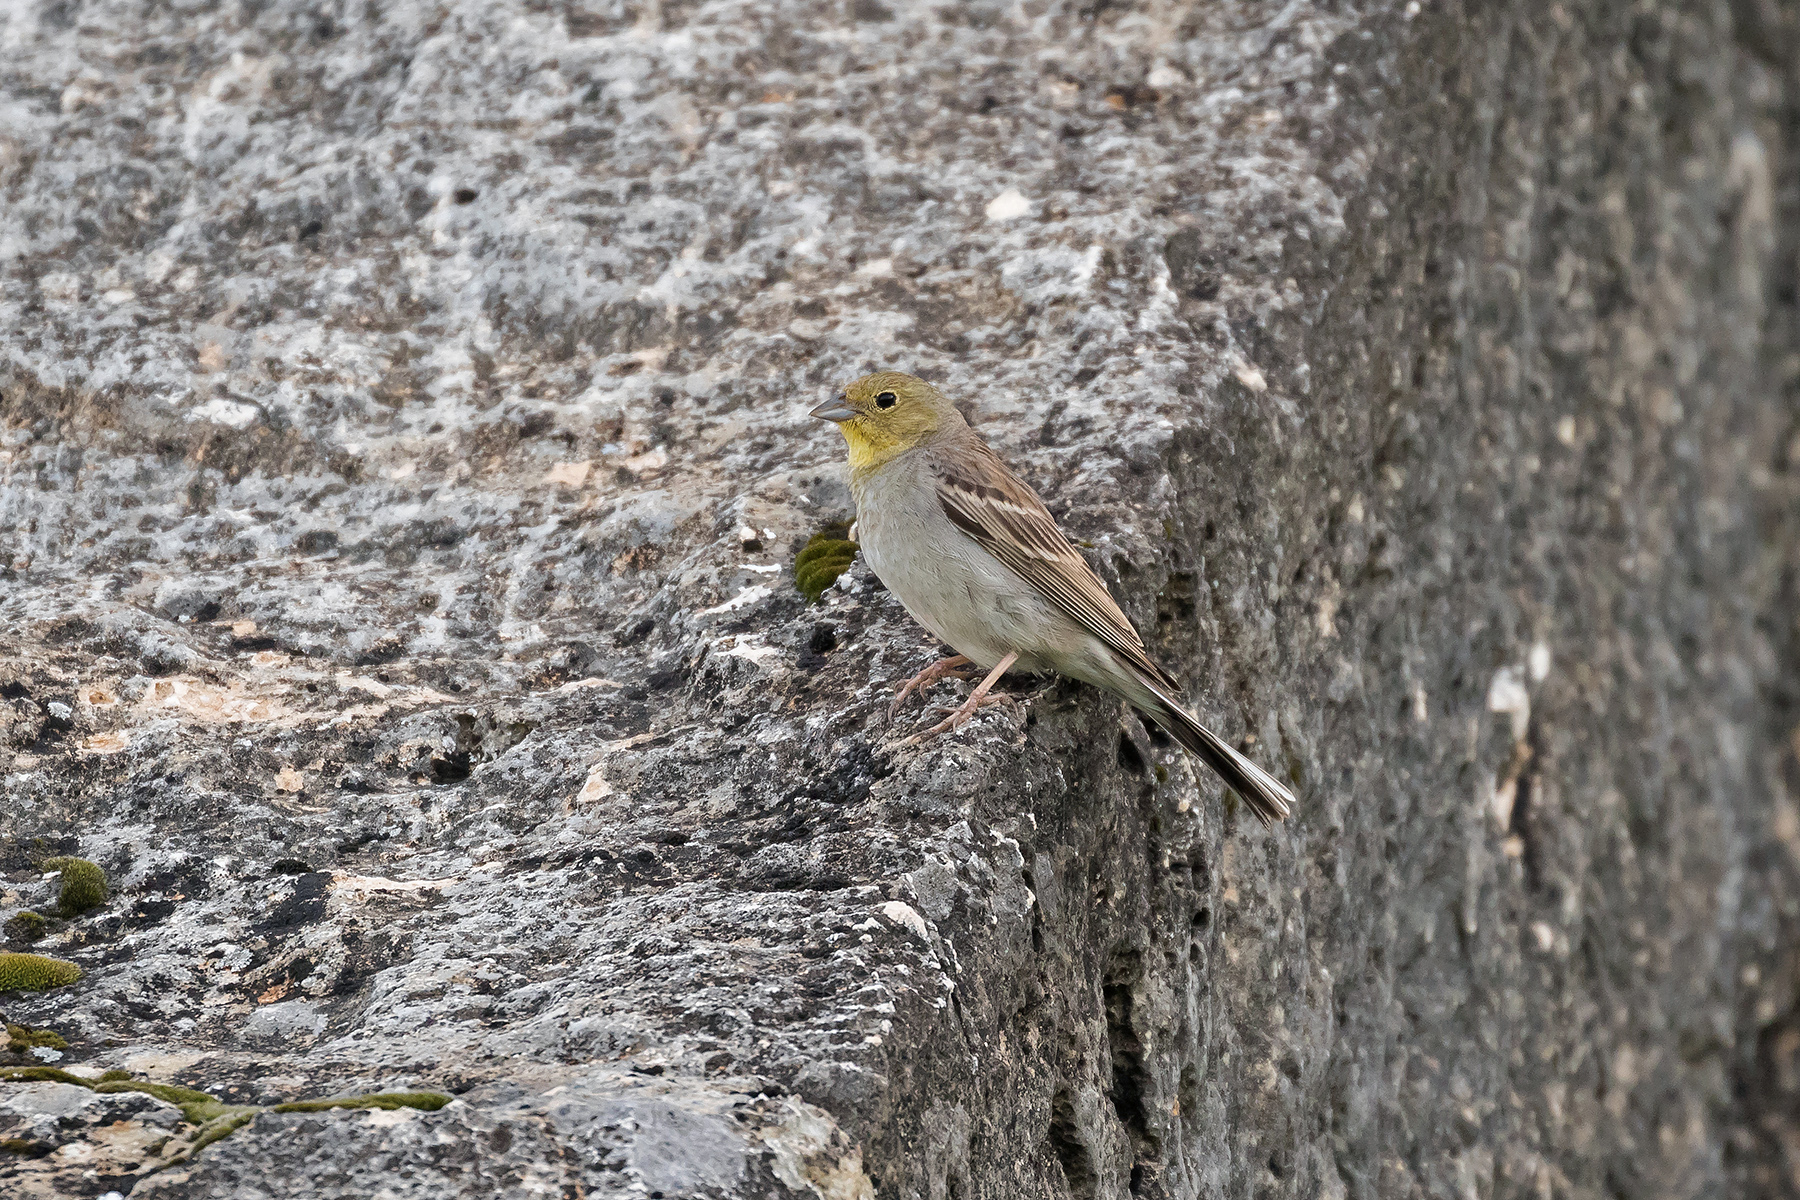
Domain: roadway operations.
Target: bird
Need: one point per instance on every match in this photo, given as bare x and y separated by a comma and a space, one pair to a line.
973, 555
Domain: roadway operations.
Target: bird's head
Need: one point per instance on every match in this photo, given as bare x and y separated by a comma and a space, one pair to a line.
886, 414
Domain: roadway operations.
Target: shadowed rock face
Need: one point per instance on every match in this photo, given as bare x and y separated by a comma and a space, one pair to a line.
402, 457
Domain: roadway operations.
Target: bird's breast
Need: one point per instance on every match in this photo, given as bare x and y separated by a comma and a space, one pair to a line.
949, 584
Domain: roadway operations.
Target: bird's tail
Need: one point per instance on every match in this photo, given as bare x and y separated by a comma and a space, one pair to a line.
1266, 798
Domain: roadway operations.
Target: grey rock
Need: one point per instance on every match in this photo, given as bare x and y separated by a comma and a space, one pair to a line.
53, 1113
402, 457
400, 1153
63, 1139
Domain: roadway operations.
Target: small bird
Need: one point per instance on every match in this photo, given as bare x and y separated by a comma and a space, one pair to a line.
978, 560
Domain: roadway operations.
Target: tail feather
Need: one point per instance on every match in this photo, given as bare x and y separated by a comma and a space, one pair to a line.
1266, 797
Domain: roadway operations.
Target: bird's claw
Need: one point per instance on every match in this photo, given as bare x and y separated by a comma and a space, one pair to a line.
943, 668
960, 716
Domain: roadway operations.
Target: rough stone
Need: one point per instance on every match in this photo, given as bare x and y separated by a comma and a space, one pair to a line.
402, 460
63, 1139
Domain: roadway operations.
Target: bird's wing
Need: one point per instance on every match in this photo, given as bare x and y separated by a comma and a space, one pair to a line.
1001, 512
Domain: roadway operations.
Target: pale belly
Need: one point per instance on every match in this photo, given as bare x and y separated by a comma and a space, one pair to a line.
961, 593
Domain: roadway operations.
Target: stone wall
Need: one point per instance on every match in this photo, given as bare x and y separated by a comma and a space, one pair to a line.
402, 459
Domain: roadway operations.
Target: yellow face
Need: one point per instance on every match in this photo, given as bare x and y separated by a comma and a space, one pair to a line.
885, 414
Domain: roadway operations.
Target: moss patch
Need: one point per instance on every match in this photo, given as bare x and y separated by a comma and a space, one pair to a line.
213, 1130
162, 1091
26, 927
427, 1101
197, 1108
42, 1075
826, 555
83, 884
20, 1039
35, 973
212, 1117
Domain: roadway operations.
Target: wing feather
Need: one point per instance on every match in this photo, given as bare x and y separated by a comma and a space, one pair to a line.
1000, 511
1006, 518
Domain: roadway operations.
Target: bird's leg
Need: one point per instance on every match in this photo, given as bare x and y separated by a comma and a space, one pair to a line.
978, 698
941, 669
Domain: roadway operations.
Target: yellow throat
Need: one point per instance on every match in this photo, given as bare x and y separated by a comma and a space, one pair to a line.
870, 448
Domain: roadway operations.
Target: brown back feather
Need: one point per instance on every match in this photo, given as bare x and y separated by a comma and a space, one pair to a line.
1009, 521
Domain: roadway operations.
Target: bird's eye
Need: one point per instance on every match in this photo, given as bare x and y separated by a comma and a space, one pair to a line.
885, 400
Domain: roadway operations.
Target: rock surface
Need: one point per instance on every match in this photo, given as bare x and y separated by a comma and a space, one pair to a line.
402, 457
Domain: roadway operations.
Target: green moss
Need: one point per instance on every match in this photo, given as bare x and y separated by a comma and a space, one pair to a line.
162, 1091
35, 973
212, 1117
427, 1101
26, 927
205, 1112
24, 1146
20, 1039
197, 1108
83, 884
232, 1118
826, 555
42, 1075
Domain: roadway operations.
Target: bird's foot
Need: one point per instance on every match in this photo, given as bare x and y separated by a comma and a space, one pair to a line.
943, 668
960, 715
978, 699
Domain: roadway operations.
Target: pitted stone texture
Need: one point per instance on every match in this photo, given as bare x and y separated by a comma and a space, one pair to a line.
623, 1138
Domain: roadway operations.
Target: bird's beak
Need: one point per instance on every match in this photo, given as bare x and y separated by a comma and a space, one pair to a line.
835, 409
